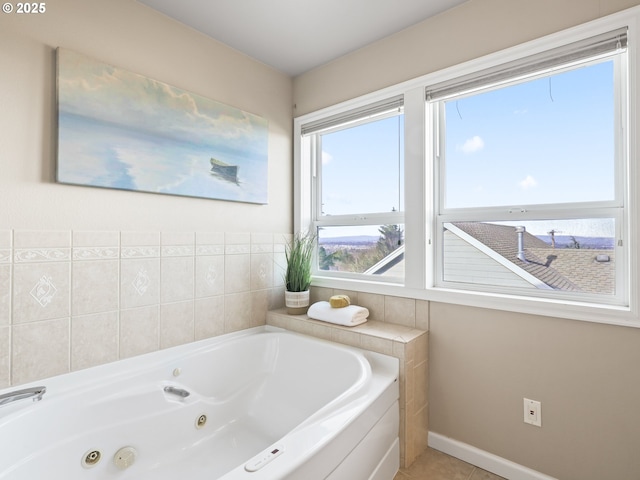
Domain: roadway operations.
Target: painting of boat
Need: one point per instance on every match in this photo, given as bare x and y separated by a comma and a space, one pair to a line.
224, 170
119, 129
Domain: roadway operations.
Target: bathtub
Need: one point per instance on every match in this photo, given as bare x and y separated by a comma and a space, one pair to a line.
258, 404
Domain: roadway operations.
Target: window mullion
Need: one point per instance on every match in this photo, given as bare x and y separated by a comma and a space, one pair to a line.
317, 175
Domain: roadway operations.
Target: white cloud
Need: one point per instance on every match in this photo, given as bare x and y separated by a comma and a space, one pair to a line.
326, 157
96, 90
472, 145
528, 182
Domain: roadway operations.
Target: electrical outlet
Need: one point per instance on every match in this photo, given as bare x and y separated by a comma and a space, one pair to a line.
532, 412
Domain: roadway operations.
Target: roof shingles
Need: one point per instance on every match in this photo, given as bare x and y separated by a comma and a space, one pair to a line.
565, 269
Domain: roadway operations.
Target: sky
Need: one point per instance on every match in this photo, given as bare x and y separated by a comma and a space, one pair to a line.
549, 140
546, 141
368, 157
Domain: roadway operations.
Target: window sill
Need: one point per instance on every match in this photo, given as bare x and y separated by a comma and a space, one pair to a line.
606, 314
373, 332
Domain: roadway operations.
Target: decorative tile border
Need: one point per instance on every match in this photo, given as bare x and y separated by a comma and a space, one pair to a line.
5, 255
237, 243
38, 255
177, 244
178, 251
96, 253
208, 243
261, 243
140, 252
237, 249
203, 250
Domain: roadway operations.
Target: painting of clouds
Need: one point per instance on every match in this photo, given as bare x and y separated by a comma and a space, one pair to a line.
118, 129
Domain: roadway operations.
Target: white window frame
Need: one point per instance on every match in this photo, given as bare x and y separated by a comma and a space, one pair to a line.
311, 153
522, 213
421, 194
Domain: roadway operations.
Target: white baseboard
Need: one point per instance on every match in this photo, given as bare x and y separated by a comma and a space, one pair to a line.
485, 460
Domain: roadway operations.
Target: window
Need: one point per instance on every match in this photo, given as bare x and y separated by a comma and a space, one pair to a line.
506, 182
358, 183
530, 176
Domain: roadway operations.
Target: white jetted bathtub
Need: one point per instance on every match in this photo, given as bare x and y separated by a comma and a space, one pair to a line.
258, 404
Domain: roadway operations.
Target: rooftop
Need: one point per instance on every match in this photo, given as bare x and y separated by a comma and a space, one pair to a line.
569, 269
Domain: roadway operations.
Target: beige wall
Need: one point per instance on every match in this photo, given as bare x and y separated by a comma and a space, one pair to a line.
127, 34
474, 29
482, 362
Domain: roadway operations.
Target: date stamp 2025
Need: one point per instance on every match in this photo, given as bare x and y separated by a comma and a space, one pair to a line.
24, 8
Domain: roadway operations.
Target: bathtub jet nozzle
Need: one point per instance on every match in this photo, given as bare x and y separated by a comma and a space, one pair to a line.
181, 392
125, 457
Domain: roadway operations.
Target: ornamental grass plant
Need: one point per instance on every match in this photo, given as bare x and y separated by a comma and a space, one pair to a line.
299, 254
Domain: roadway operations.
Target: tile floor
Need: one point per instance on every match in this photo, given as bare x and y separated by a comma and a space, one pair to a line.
435, 465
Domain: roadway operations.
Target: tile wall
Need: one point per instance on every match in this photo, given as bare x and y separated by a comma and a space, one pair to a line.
398, 327
408, 312
74, 299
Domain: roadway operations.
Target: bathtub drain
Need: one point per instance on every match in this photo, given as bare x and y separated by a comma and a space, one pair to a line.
91, 458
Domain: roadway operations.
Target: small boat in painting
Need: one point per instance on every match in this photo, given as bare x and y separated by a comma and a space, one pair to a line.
224, 170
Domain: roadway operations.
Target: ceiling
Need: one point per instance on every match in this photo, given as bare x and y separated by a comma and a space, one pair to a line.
295, 36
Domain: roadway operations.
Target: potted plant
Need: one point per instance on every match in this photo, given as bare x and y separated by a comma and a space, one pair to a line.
297, 277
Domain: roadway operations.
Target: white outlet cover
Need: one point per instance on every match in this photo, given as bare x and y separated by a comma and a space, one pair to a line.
532, 412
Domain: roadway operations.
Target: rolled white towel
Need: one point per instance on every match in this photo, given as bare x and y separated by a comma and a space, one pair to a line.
348, 316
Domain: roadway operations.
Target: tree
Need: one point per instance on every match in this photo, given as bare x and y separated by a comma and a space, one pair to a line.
325, 260
358, 259
391, 237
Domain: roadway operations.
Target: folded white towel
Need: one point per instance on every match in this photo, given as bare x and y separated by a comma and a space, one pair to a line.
348, 316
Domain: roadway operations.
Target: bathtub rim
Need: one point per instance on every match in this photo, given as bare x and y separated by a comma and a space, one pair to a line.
67, 385
133, 365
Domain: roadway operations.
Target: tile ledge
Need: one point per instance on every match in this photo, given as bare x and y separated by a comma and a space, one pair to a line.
372, 328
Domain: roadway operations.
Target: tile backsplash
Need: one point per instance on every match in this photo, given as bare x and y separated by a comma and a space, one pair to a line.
405, 311
74, 299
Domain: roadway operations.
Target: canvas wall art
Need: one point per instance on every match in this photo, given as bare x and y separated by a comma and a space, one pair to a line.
118, 129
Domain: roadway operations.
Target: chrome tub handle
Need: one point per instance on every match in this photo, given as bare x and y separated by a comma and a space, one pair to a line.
180, 392
34, 393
